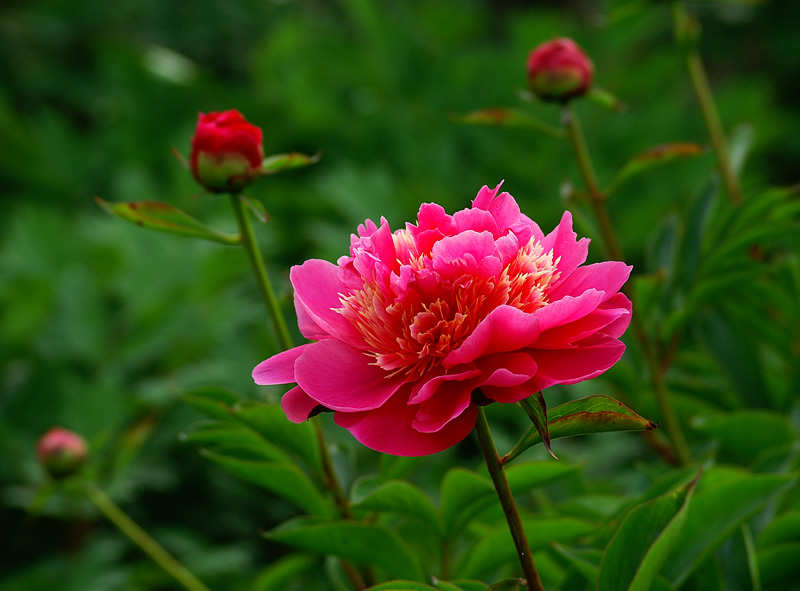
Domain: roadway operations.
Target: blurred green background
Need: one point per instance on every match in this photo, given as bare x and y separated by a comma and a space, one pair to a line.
102, 325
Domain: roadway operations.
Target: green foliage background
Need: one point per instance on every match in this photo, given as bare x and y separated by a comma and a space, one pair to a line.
102, 325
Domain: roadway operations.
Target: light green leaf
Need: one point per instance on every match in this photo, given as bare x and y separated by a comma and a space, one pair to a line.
784, 528
361, 543
403, 498
714, 514
643, 541
525, 476
233, 440
283, 479
653, 158
280, 162
511, 118
165, 218
594, 414
606, 98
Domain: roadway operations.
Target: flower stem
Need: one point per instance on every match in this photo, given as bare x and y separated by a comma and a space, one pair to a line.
684, 28
259, 270
250, 245
142, 539
507, 501
597, 199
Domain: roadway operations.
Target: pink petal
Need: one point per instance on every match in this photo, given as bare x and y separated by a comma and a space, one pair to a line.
340, 377
388, 429
620, 325
610, 320
317, 287
483, 199
504, 329
298, 405
451, 400
569, 366
569, 251
609, 277
568, 309
507, 370
278, 369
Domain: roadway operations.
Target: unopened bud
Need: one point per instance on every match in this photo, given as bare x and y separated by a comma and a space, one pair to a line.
61, 452
559, 70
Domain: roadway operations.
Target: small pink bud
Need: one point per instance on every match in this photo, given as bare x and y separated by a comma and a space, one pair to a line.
61, 452
559, 70
226, 152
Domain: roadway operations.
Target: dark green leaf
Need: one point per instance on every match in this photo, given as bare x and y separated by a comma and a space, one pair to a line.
279, 575
778, 565
461, 493
269, 421
594, 414
510, 585
784, 528
536, 408
525, 476
165, 218
470, 585
403, 498
402, 586
361, 543
233, 440
212, 401
653, 158
643, 541
283, 479
497, 548
584, 561
714, 513
747, 433
507, 117
280, 162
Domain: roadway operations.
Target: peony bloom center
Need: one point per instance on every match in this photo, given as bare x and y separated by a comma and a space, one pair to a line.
414, 314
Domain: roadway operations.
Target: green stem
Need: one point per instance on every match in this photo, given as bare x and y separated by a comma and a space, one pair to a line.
257, 263
142, 539
597, 199
702, 88
507, 501
250, 245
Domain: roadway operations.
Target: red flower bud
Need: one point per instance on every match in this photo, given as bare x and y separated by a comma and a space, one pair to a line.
559, 70
61, 452
226, 152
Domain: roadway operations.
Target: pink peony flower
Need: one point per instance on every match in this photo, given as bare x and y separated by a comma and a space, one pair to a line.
409, 325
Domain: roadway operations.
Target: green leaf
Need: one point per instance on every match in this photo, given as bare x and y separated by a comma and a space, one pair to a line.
460, 496
283, 479
643, 541
740, 141
402, 586
497, 548
714, 514
212, 401
594, 414
165, 218
280, 162
784, 528
606, 98
748, 433
585, 561
653, 158
511, 118
269, 421
525, 476
402, 498
778, 565
233, 440
361, 543
279, 575
470, 585
536, 408
509, 585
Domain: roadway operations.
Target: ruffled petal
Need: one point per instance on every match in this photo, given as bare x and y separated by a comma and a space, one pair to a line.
340, 377
567, 250
451, 400
608, 277
504, 329
569, 366
612, 318
568, 309
278, 369
317, 287
388, 429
